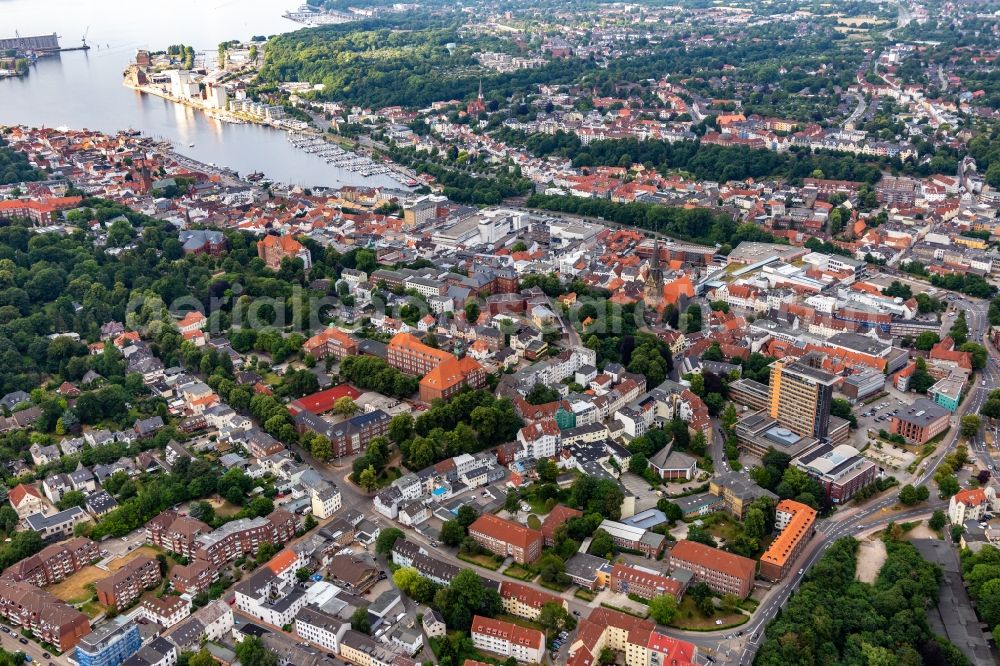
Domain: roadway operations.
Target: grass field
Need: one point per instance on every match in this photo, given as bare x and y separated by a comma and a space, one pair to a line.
92, 609
585, 594
689, 617
74, 589
485, 561
517, 571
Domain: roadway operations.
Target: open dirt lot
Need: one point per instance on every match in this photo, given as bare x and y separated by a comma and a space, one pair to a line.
871, 557
74, 589
115, 565
921, 531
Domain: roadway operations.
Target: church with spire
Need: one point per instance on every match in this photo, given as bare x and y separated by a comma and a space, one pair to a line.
652, 294
478, 106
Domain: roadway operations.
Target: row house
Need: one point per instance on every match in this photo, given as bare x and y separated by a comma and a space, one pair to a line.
724, 572
646, 583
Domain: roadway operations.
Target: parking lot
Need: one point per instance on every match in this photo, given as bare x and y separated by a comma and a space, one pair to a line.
878, 415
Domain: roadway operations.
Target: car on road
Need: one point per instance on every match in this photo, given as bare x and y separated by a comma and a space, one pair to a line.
46, 655
801, 571
22, 641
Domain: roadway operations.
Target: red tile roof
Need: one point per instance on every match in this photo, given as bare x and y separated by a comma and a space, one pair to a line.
559, 515
505, 530
713, 558
20, 491
527, 595
509, 631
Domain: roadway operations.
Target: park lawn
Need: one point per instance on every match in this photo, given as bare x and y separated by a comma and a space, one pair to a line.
519, 572
92, 609
689, 617
723, 528
485, 561
555, 586
520, 621
150, 551
585, 594
74, 590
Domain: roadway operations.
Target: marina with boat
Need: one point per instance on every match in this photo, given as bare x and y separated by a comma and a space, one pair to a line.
337, 156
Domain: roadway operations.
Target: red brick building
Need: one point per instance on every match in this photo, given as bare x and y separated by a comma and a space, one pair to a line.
176, 533
127, 584
244, 536
724, 572
50, 619
54, 563
795, 522
558, 516
41, 212
647, 584
331, 342
405, 352
274, 249
450, 377
507, 538
193, 578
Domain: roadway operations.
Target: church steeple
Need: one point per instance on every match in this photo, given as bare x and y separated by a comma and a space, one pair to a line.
653, 290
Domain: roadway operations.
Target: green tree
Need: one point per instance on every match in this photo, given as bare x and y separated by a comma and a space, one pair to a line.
602, 544
663, 609
938, 520
926, 340
252, 652
387, 539
368, 478
360, 622
321, 448
201, 658
452, 533
970, 426
345, 406
71, 499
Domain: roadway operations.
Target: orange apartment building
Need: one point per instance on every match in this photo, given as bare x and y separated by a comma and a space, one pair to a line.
796, 523
331, 342
41, 212
450, 377
405, 352
507, 538
724, 572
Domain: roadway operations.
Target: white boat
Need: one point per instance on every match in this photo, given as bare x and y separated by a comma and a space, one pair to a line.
190, 145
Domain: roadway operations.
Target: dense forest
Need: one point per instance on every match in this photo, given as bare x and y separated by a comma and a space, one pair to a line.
711, 162
408, 62
835, 619
14, 167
